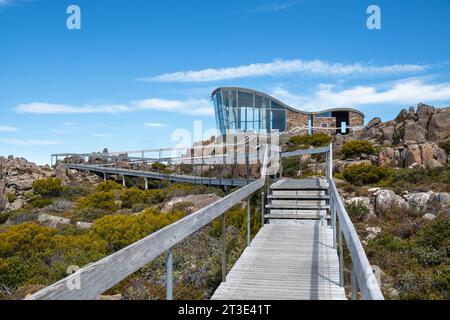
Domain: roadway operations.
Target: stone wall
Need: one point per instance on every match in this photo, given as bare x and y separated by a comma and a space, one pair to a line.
355, 119
318, 121
296, 119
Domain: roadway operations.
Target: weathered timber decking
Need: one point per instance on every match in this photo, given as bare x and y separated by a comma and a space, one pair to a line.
286, 262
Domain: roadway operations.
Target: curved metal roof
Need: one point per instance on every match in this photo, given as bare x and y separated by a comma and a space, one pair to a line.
247, 90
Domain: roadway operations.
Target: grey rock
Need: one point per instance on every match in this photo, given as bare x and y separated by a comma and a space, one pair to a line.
420, 200
383, 200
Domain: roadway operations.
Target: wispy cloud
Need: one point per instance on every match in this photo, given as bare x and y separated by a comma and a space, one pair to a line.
5, 3
101, 135
402, 92
8, 129
278, 6
155, 125
23, 143
286, 67
198, 107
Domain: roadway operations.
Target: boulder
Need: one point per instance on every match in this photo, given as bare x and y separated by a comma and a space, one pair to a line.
412, 155
421, 200
83, 225
52, 221
388, 134
340, 165
373, 232
3, 197
443, 198
389, 157
439, 125
429, 216
383, 200
61, 172
424, 113
365, 200
196, 202
414, 132
373, 122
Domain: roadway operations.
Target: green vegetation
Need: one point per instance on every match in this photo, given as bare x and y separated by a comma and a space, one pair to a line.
98, 200
109, 185
12, 197
414, 255
50, 187
365, 174
158, 166
357, 147
357, 210
308, 140
41, 203
33, 254
122, 230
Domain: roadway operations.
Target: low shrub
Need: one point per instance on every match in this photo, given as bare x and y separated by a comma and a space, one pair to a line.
41, 203
109, 185
357, 147
122, 230
4, 216
98, 200
308, 140
12, 197
357, 210
50, 187
365, 174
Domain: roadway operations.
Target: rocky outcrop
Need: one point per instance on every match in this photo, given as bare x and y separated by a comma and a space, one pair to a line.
389, 157
3, 197
427, 155
383, 200
193, 202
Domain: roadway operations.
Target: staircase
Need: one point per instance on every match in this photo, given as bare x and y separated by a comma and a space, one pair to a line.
298, 201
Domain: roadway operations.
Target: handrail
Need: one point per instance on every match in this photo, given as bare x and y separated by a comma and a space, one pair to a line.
305, 152
361, 267
99, 276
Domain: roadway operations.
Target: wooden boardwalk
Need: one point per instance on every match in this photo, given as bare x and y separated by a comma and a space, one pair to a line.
286, 262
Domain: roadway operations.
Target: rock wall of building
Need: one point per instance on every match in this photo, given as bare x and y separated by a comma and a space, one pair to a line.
319, 121
296, 119
355, 119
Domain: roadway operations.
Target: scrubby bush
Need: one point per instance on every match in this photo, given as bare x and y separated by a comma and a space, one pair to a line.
158, 165
41, 203
109, 185
308, 140
357, 210
357, 147
131, 196
4, 216
98, 200
34, 254
50, 187
365, 174
12, 197
122, 230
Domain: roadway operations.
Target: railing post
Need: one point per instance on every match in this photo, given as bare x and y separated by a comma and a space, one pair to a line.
248, 222
169, 275
262, 207
224, 249
354, 285
330, 161
146, 183
341, 258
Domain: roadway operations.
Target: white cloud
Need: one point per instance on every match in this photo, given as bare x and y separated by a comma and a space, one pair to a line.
285, 67
154, 125
50, 108
8, 129
5, 3
278, 6
403, 92
198, 107
101, 135
22, 143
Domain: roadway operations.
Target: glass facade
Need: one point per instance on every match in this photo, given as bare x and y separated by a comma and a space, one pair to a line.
238, 110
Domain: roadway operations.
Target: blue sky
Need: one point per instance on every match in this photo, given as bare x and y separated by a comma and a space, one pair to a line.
139, 70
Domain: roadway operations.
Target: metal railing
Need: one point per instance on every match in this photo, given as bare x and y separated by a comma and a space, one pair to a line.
99, 276
363, 278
